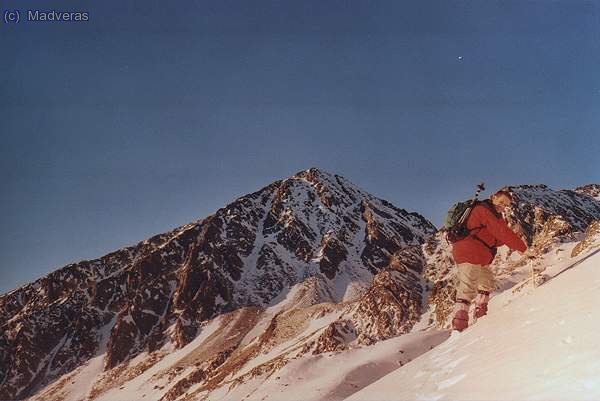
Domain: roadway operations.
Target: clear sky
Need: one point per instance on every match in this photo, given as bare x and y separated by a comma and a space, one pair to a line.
150, 115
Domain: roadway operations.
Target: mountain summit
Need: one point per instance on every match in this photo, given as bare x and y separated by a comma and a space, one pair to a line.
311, 238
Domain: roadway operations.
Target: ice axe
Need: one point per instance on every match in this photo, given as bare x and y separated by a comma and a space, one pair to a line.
480, 187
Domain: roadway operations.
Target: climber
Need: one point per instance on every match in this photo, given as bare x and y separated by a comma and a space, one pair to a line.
473, 254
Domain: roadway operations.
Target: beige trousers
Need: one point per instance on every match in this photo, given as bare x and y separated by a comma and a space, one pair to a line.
473, 278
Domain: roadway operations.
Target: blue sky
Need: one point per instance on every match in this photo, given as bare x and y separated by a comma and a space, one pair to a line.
148, 117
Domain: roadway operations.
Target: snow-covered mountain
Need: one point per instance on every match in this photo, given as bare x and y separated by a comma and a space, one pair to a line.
262, 269
309, 288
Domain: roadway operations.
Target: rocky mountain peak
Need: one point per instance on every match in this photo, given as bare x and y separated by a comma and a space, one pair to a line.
592, 190
314, 231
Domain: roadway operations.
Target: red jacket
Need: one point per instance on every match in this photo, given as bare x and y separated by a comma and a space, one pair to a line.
494, 231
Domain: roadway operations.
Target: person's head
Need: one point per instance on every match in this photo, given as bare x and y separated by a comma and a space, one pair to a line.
501, 200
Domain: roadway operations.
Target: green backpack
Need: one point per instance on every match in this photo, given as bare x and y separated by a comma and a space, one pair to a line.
455, 223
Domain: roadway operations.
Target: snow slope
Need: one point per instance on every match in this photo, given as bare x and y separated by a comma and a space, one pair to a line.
535, 344
335, 375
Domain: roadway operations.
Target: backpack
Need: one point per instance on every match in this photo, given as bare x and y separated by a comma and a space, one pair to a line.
455, 223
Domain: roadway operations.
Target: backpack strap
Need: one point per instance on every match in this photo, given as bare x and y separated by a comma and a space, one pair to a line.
492, 248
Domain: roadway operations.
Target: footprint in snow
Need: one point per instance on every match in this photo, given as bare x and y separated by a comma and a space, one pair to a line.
473, 341
568, 340
445, 368
456, 362
429, 397
451, 381
588, 384
440, 372
419, 374
441, 355
449, 341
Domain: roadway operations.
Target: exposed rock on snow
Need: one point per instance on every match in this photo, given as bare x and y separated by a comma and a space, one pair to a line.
591, 239
592, 190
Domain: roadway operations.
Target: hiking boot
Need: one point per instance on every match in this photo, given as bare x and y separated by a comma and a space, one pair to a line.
460, 320
480, 311
461, 315
481, 303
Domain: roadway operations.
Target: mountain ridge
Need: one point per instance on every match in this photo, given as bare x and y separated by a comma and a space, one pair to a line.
312, 224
